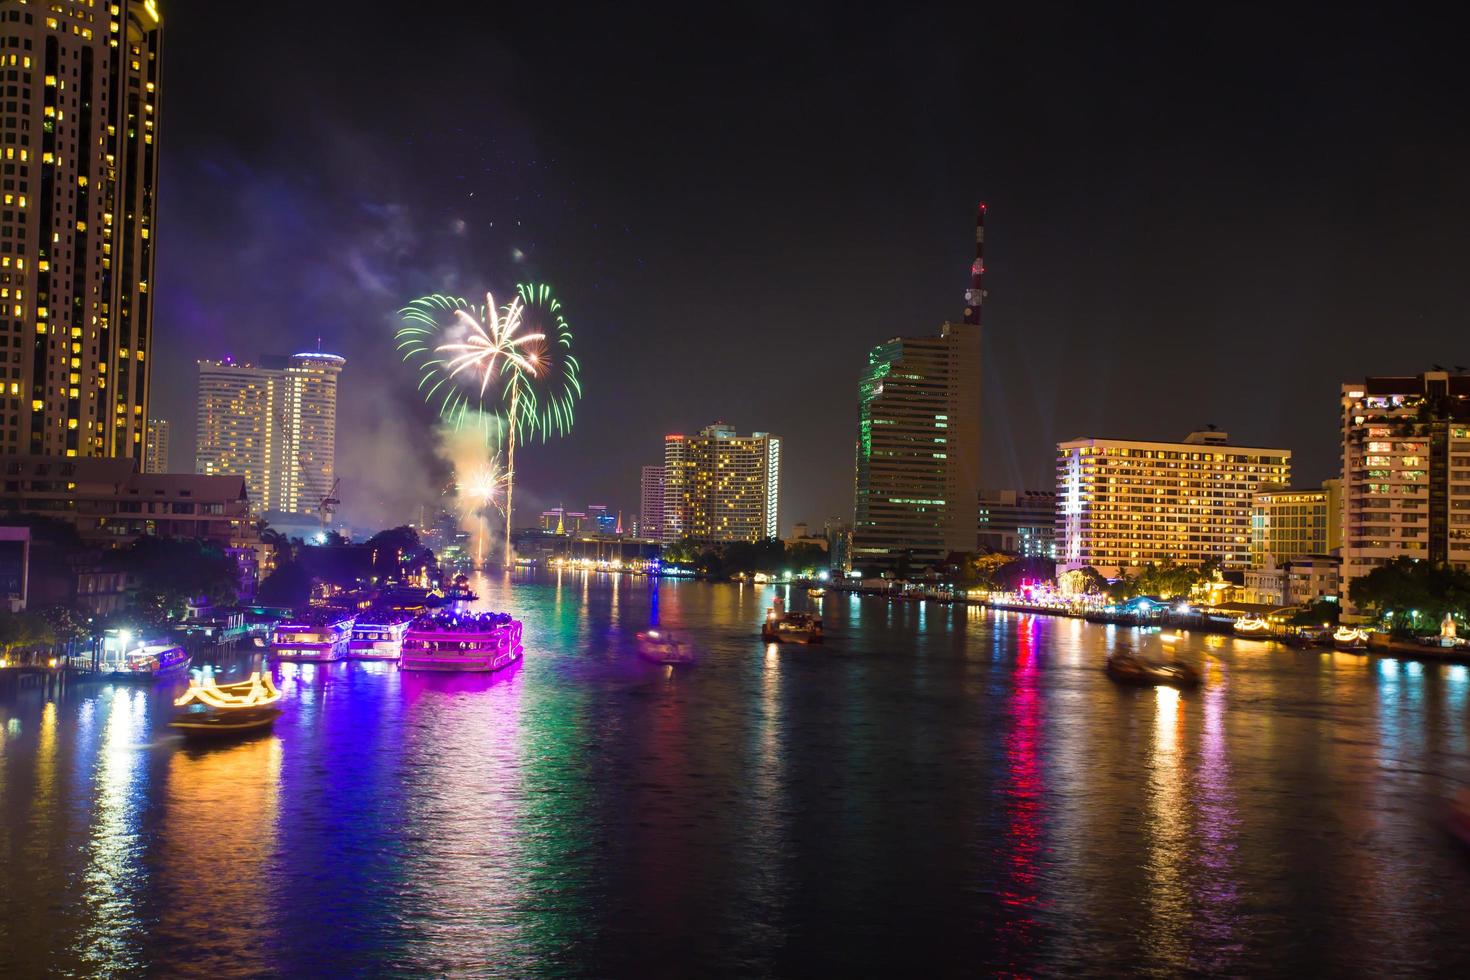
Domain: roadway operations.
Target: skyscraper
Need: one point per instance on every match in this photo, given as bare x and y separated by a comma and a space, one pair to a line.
79, 140
720, 486
1405, 471
275, 424
918, 447
155, 449
651, 524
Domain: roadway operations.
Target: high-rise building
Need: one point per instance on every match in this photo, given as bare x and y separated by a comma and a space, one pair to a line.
275, 424
1124, 503
155, 447
651, 522
79, 137
720, 486
1293, 523
1018, 522
1405, 471
839, 543
918, 447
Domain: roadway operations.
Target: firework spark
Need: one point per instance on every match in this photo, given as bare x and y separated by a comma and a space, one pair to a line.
489, 342
553, 388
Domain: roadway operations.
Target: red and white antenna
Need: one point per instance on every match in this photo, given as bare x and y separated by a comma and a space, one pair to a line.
975, 295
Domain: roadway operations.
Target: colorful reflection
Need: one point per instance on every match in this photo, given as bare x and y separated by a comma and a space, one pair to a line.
1022, 798
1169, 843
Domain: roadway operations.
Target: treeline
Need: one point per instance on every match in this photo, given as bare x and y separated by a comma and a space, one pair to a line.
720, 560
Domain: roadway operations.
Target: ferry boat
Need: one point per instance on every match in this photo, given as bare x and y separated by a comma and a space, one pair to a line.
320, 635
1126, 667
379, 635
781, 626
663, 647
816, 592
215, 710
1350, 638
469, 642
149, 662
1253, 626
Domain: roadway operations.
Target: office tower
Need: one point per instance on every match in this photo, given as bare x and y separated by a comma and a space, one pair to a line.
839, 543
651, 524
1405, 471
1293, 523
918, 447
1124, 503
155, 448
79, 137
720, 486
1018, 522
275, 424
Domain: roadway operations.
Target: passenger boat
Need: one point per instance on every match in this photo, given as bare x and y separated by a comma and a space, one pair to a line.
149, 662
318, 635
1253, 626
1350, 639
470, 642
379, 635
1126, 667
783, 627
215, 710
816, 592
664, 648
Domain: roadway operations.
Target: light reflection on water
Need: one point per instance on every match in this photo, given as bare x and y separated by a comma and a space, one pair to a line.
936, 789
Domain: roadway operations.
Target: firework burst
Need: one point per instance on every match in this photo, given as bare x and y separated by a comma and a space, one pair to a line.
550, 391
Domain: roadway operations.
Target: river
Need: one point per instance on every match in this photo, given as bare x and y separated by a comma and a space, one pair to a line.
937, 790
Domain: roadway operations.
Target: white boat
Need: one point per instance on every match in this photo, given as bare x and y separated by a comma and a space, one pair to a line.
318, 636
470, 642
663, 647
1249, 625
148, 662
378, 636
1350, 638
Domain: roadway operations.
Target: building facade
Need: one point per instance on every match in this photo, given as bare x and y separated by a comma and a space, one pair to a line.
1405, 471
275, 424
1018, 522
918, 444
721, 486
79, 140
1123, 503
651, 504
155, 447
1289, 523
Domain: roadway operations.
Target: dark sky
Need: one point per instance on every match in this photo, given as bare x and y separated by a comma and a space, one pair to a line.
1202, 215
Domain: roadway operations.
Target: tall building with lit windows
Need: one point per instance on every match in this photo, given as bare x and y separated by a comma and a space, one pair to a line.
918, 446
275, 424
155, 447
1405, 471
1123, 503
720, 486
651, 498
78, 172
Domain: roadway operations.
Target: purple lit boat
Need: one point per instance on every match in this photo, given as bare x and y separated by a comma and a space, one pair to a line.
150, 662
379, 636
470, 642
316, 635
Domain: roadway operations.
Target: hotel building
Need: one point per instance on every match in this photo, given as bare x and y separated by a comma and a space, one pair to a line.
275, 424
79, 151
1123, 503
918, 444
1405, 471
720, 486
155, 447
1292, 523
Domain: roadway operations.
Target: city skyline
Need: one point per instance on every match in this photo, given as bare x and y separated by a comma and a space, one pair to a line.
1114, 273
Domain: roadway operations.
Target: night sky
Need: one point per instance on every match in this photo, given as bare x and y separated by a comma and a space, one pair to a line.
1208, 216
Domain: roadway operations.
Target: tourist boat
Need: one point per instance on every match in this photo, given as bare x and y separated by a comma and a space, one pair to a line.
1253, 626
816, 592
149, 662
215, 710
664, 648
1350, 638
379, 635
460, 591
783, 627
470, 642
1127, 667
318, 635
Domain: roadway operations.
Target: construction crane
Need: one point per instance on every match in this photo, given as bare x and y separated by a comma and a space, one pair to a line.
328, 505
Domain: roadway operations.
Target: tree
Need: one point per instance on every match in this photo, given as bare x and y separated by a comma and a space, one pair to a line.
1413, 596
1082, 581
24, 631
1034, 570
166, 573
289, 585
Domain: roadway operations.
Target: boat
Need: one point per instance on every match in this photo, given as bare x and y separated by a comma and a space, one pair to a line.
379, 635
664, 648
479, 642
149, 662
1127, 667
1350, 639
816, 592
316, 634
460, 591
792, 628
1253, 626
214, 710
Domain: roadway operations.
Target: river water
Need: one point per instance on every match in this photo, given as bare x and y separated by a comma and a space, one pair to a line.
937, 790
